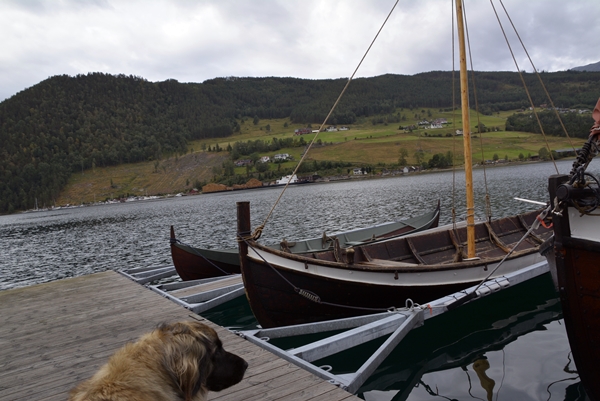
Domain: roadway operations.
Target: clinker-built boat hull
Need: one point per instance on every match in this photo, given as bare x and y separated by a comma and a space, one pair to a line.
285, 289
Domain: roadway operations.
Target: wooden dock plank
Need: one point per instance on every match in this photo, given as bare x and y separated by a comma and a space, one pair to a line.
56, 334
270, 379
316, 389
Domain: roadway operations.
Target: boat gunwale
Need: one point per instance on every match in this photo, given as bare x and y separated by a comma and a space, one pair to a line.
400, 268
426, 219
392, 266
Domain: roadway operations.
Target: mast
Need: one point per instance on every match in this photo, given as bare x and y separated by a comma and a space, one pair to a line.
464, 97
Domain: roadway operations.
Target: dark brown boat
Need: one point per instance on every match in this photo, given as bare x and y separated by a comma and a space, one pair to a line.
576, 221
194, 263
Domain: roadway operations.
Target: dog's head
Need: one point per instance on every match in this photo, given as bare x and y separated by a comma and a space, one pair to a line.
195, 359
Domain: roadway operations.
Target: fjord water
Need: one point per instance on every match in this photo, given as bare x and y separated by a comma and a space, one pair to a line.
519, 335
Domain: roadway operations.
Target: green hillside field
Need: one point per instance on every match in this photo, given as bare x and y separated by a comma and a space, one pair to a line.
368, 143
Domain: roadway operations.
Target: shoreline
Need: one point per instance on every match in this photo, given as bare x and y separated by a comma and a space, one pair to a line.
325, 180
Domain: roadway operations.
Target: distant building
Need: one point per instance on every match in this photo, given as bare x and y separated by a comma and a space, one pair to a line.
244, 162
302, 131
288, 178
358, 171
265, 159
281, 156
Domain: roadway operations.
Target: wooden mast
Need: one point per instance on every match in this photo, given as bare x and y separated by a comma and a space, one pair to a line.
464, 96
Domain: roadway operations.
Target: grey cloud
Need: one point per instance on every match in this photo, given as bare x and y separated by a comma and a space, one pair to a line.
193, 41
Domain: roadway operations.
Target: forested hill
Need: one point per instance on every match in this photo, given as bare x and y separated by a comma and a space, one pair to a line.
65, 124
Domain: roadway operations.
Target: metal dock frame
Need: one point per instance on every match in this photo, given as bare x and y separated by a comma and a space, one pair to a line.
362, 329
143, 275
195, 295
199, 299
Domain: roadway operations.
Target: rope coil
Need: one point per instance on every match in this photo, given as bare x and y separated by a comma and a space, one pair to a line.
258, 232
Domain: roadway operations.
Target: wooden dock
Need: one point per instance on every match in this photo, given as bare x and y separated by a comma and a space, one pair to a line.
55, 335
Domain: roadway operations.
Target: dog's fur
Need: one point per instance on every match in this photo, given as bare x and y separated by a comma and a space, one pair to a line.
178, 361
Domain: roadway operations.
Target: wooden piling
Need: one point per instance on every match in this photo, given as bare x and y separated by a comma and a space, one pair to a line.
243, 230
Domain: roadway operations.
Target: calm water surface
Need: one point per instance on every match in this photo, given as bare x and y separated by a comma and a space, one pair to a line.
520, 335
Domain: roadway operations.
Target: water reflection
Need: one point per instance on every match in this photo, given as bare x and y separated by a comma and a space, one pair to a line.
474, 353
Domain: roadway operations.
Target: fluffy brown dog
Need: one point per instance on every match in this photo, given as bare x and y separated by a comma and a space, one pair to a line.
179, 361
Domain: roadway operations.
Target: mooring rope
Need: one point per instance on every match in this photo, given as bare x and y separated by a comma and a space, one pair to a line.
311, 296
259, 229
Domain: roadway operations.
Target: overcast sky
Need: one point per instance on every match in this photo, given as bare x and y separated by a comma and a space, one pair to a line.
196, 40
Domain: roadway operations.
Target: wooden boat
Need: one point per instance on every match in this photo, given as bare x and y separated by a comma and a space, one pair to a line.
285, 289
194, 263
576, 258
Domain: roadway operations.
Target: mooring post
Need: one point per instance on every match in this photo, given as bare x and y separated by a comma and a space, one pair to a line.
243, 228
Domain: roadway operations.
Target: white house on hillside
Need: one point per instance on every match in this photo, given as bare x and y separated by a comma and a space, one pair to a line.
281, 156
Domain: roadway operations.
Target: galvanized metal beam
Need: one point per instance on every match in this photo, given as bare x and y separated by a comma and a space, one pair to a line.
362, 374
199, 308
317, 327
146, 275
351, 338
185, 284
494, 285
317, 371
201, 301
212, 294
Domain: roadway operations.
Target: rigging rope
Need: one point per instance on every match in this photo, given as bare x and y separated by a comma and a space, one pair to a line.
539, 78
259, 229
473, 293
523, 80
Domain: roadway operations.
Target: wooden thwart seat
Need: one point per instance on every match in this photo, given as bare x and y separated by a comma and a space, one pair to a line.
387, 263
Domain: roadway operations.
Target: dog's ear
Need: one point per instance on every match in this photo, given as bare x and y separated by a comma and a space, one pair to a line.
186, 357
